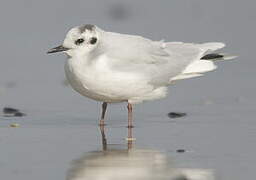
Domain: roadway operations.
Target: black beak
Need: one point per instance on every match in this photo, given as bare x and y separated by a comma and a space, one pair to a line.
57, 49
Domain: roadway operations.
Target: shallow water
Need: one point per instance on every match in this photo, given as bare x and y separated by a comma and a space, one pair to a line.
218, 133
44, 147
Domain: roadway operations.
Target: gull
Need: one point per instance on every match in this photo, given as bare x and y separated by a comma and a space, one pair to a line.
112, 67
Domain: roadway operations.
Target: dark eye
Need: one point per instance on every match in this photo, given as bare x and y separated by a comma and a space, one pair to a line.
79, 41
93, 40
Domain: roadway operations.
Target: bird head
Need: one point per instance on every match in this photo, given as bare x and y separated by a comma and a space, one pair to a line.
80, 40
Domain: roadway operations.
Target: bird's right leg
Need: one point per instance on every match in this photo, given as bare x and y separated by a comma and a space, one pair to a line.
130, 139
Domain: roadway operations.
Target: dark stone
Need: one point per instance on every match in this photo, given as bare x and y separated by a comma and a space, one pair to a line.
180, 150
8, 110
176, 114
12, 112
19, 114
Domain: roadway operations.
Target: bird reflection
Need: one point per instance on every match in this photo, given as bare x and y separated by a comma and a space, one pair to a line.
129, 139
103, 137
115, 162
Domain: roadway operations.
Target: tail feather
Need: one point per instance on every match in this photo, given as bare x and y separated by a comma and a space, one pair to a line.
205, 63
200, 67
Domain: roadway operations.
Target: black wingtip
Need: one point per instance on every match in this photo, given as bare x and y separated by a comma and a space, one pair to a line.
212, 56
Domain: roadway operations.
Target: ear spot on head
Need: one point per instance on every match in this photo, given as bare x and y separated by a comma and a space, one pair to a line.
93, 40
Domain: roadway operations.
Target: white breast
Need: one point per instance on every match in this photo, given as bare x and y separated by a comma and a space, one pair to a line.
99, 80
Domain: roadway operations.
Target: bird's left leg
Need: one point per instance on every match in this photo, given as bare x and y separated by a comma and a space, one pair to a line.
104, 108
102, 126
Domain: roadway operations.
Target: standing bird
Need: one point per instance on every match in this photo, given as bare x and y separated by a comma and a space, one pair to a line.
112, 67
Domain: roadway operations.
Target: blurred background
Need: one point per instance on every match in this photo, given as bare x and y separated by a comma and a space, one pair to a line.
219, 130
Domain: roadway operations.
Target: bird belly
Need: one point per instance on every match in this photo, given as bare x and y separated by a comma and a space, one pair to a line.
101, 83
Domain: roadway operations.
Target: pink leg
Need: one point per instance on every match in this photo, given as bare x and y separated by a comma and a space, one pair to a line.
130, 126
129, 107
102, 126
104, 108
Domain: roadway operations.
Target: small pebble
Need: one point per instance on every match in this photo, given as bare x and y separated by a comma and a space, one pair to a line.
176, 114
14, 125
19, 114
8, 110
180, 150
12, 112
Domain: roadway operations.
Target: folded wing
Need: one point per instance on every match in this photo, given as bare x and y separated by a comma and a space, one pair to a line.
161, 63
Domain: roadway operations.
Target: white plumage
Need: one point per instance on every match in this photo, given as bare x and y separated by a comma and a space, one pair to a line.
112, 67
122, 67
